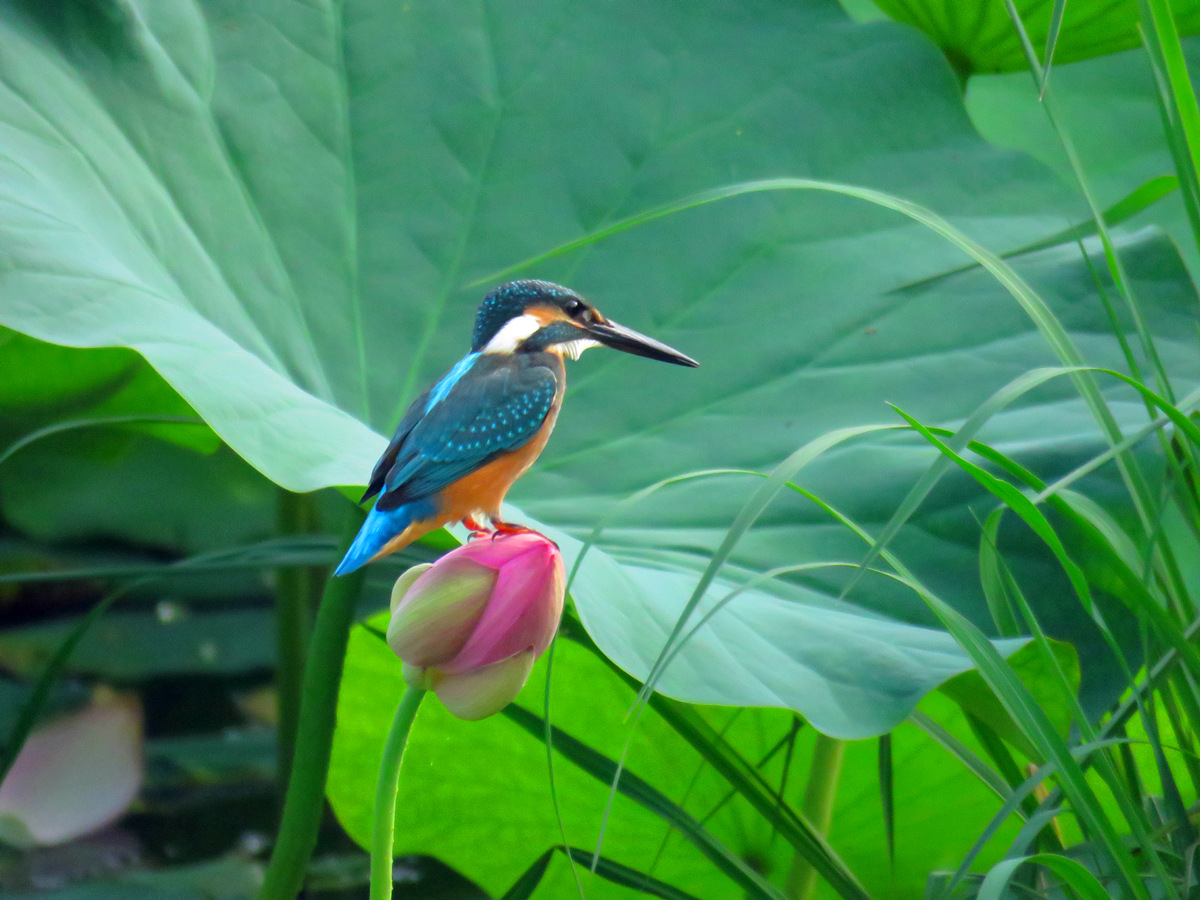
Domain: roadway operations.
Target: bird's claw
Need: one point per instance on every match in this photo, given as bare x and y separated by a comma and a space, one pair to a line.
510, 528
477, 530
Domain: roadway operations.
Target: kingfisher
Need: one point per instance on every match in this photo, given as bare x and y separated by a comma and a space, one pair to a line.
467, 438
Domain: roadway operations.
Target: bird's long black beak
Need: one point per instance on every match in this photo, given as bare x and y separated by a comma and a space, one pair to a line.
610, 334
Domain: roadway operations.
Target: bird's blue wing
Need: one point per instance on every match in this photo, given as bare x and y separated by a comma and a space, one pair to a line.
411, 418
493, 407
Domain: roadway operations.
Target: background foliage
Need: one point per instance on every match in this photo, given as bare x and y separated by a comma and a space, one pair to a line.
264, 227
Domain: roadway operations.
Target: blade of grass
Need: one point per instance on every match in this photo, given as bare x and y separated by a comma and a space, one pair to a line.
1075, 874
94, 422
609, 870
741, 775
1138, 200
962, 437
1158, 20
34, 706
956, 748
1037, 310
1045, 811
1056, 18
759, 500
1116, 268
602, 768
887, 797
996, 579
1047, 742
1169, 107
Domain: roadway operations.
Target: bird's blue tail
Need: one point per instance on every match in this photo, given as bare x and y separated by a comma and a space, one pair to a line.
380, 527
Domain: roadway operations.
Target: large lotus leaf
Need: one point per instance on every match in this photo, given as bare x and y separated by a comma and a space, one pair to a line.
776, 644
499, 771
978, 35
46, 386
285, 209
1120, 150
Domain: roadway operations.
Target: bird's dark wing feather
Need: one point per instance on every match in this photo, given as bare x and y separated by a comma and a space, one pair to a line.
495, 407
411, 418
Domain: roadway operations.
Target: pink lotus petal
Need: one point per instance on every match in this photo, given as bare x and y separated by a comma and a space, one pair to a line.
436, 615
484, 692
495, 552
525, 608
74, 775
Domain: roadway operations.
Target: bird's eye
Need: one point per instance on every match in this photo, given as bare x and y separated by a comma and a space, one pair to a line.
574, 308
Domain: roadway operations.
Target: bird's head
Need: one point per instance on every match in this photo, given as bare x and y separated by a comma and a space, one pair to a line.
526, 316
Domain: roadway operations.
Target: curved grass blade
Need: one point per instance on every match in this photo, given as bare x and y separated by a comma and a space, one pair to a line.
1116, 268
548, 738
635, 498
1159, 26
1037, 310
749, 513
1173, 106
741, 775
887, 797
1056, 18
95, 422
1138, 200
607, 869
962, 438
956, 748
603, 769
1078, 878
32, 710
1187, 404
994, 576
1048, 742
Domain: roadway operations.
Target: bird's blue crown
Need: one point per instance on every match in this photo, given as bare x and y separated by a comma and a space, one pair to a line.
509, 301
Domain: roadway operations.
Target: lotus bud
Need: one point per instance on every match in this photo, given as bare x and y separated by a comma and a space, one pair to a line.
470, 626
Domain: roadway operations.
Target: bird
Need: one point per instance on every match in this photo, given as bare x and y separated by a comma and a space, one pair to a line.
470, 435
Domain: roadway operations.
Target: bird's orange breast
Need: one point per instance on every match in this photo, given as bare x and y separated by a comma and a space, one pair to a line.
483, 490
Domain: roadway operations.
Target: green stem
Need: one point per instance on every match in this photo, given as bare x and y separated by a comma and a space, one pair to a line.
294, 590
383, 829
819, 795
304, 803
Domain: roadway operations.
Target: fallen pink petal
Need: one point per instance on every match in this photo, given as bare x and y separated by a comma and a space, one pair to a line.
74, 774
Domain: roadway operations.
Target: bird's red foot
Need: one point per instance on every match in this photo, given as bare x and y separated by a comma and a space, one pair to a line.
477, 530
510, 528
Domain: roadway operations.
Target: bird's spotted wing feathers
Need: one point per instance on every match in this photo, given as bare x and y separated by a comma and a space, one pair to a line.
494, 408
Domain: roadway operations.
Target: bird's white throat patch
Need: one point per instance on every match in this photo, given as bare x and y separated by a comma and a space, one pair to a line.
509, 338
574, 349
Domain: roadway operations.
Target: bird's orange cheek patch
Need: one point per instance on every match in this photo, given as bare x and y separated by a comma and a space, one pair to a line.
548, 315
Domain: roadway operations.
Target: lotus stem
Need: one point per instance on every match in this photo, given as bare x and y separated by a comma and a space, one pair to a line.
384, 827
819, 796
304, 803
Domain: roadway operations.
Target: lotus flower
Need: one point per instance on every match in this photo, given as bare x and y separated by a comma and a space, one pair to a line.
470, 626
